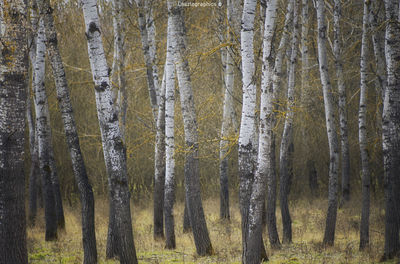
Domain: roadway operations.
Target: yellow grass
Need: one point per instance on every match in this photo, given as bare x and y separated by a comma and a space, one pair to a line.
308, 225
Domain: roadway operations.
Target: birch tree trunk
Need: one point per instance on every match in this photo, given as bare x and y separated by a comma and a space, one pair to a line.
362, 134
391, 129
345, 157
247, 142
113, 146
13, 81
192, 181
305, 97
287, 136
169, 200
228, 115
276, 82
44, 136
253, 246
118, 67
153, 85
78, 164
34, 170
329, 235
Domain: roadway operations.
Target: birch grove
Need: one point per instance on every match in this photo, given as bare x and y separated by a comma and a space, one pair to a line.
89, 111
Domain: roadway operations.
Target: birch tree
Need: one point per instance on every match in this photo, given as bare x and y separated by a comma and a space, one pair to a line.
118, 67
192, 181
329, 235
147, 32
305, 95
253, 247
113, 146
287, 135
276, 82
362, 134
78, 164
13, 80
247, 143
44, 135
391, 129
169, 196
34, 169
337, 50
228, 115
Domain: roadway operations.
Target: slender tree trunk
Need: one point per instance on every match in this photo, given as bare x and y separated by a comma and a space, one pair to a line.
113, 146
192, 180
118, 67
337, 13
329, 235
78, 165
305, 98
169, 140
254, 242
56, 188
44, 136
376, 19
391, 130
159, 180
228, 115
13, 75
362, 134
34, 169
153, 85
276, 82
287, 136
147, 32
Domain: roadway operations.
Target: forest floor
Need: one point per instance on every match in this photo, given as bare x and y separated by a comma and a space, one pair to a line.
308, 225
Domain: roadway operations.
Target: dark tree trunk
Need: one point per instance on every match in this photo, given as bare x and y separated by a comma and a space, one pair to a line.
112, 247
391, 130
13, 76
57, 191
186, 220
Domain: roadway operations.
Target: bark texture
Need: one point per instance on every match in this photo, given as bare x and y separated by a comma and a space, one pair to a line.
362, 134
391, 129
13, 81
329, 235
169, 140
113, 146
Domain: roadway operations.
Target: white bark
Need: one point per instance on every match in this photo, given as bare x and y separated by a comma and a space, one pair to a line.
252, 253
118, 67
148, 50
329, 235
247, 130
345, 157
113, 147
362, 134
169, 198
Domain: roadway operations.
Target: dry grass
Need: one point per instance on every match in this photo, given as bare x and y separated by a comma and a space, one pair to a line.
308, 225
